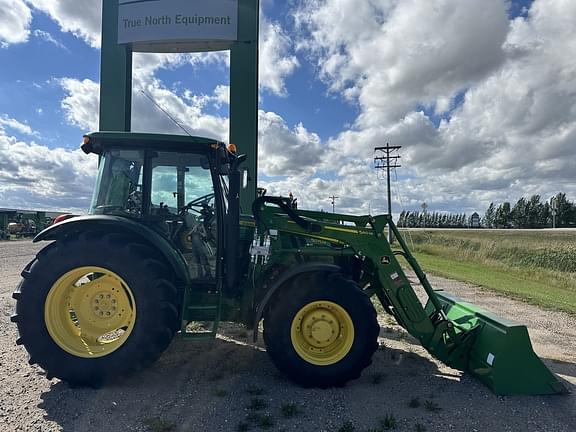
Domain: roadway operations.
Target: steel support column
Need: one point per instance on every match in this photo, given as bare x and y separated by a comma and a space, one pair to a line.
244, 95
115, 74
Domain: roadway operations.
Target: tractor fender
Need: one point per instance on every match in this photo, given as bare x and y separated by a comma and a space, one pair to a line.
281, 280
109, 224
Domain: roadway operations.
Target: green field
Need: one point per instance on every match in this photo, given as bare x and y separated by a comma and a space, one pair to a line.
536, 266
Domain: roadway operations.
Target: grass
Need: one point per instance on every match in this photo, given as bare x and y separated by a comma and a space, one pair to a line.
385, 424
537, 267
157, 424
430, 405
388, 422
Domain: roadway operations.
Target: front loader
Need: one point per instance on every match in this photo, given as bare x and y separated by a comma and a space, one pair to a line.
166, 246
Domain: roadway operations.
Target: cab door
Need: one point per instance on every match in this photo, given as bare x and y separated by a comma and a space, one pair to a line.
182, 194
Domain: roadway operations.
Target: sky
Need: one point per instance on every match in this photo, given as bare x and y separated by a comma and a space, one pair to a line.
480, 94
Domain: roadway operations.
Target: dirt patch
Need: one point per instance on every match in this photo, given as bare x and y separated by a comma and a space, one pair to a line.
230, 385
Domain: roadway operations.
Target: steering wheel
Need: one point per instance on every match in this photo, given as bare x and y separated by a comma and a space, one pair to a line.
198, 202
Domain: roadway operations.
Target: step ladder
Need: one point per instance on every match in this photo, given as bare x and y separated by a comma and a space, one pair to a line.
201, 316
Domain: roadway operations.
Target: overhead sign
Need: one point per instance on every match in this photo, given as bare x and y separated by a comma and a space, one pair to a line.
177, 25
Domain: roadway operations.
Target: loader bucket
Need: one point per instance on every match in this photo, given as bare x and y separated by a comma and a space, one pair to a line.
501, 355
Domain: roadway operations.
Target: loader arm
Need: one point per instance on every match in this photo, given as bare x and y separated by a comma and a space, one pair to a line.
457, 333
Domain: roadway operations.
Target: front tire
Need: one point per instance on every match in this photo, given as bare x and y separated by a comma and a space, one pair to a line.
95, 307
321, 330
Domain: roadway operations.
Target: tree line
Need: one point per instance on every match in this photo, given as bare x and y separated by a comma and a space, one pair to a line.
532, 213
526, 213
416, 219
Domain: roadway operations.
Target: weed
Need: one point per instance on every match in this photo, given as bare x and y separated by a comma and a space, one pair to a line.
220, 392
157, 424
388, 422
414, 403
420, 427
255, 390
377, 378
257, 404
290, 409
431, 406
348, 426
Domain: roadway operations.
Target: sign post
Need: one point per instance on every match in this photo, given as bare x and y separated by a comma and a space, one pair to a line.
168, 26
115, 74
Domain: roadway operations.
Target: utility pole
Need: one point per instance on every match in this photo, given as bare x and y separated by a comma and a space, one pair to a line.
554, 207
333, 198
386, 162
424, 208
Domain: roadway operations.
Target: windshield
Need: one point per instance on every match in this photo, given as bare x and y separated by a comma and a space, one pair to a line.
119, 185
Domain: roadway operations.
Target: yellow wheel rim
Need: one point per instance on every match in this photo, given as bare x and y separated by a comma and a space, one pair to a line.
322, 333
90, 312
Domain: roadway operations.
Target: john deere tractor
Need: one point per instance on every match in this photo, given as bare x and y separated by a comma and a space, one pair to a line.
166, 246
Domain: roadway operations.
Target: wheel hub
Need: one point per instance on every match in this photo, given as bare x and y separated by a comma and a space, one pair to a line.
322, 333
320, 328
104, 305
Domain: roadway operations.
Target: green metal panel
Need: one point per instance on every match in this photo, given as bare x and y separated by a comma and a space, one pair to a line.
244, 95
115, 74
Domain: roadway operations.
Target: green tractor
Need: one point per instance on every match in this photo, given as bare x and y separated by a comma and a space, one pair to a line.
166, 246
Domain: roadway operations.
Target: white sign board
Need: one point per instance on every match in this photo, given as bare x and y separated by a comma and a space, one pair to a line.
177, 25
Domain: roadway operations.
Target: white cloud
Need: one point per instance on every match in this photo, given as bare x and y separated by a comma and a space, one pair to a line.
284, 151
81, 104
81, 109
33, 176
513, 132
15, 19
276, 59
82, 18
404, 64
47, 37
15, 125
391, 56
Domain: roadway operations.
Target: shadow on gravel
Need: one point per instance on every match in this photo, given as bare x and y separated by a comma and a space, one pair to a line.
206, 386
214, 387
561, 367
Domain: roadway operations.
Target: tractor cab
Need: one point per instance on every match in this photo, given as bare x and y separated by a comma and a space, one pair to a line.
179, 186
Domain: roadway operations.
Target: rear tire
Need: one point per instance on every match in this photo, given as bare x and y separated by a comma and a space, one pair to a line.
56, 316
321, 330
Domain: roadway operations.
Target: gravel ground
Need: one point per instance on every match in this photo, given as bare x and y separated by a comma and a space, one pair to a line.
209, 386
